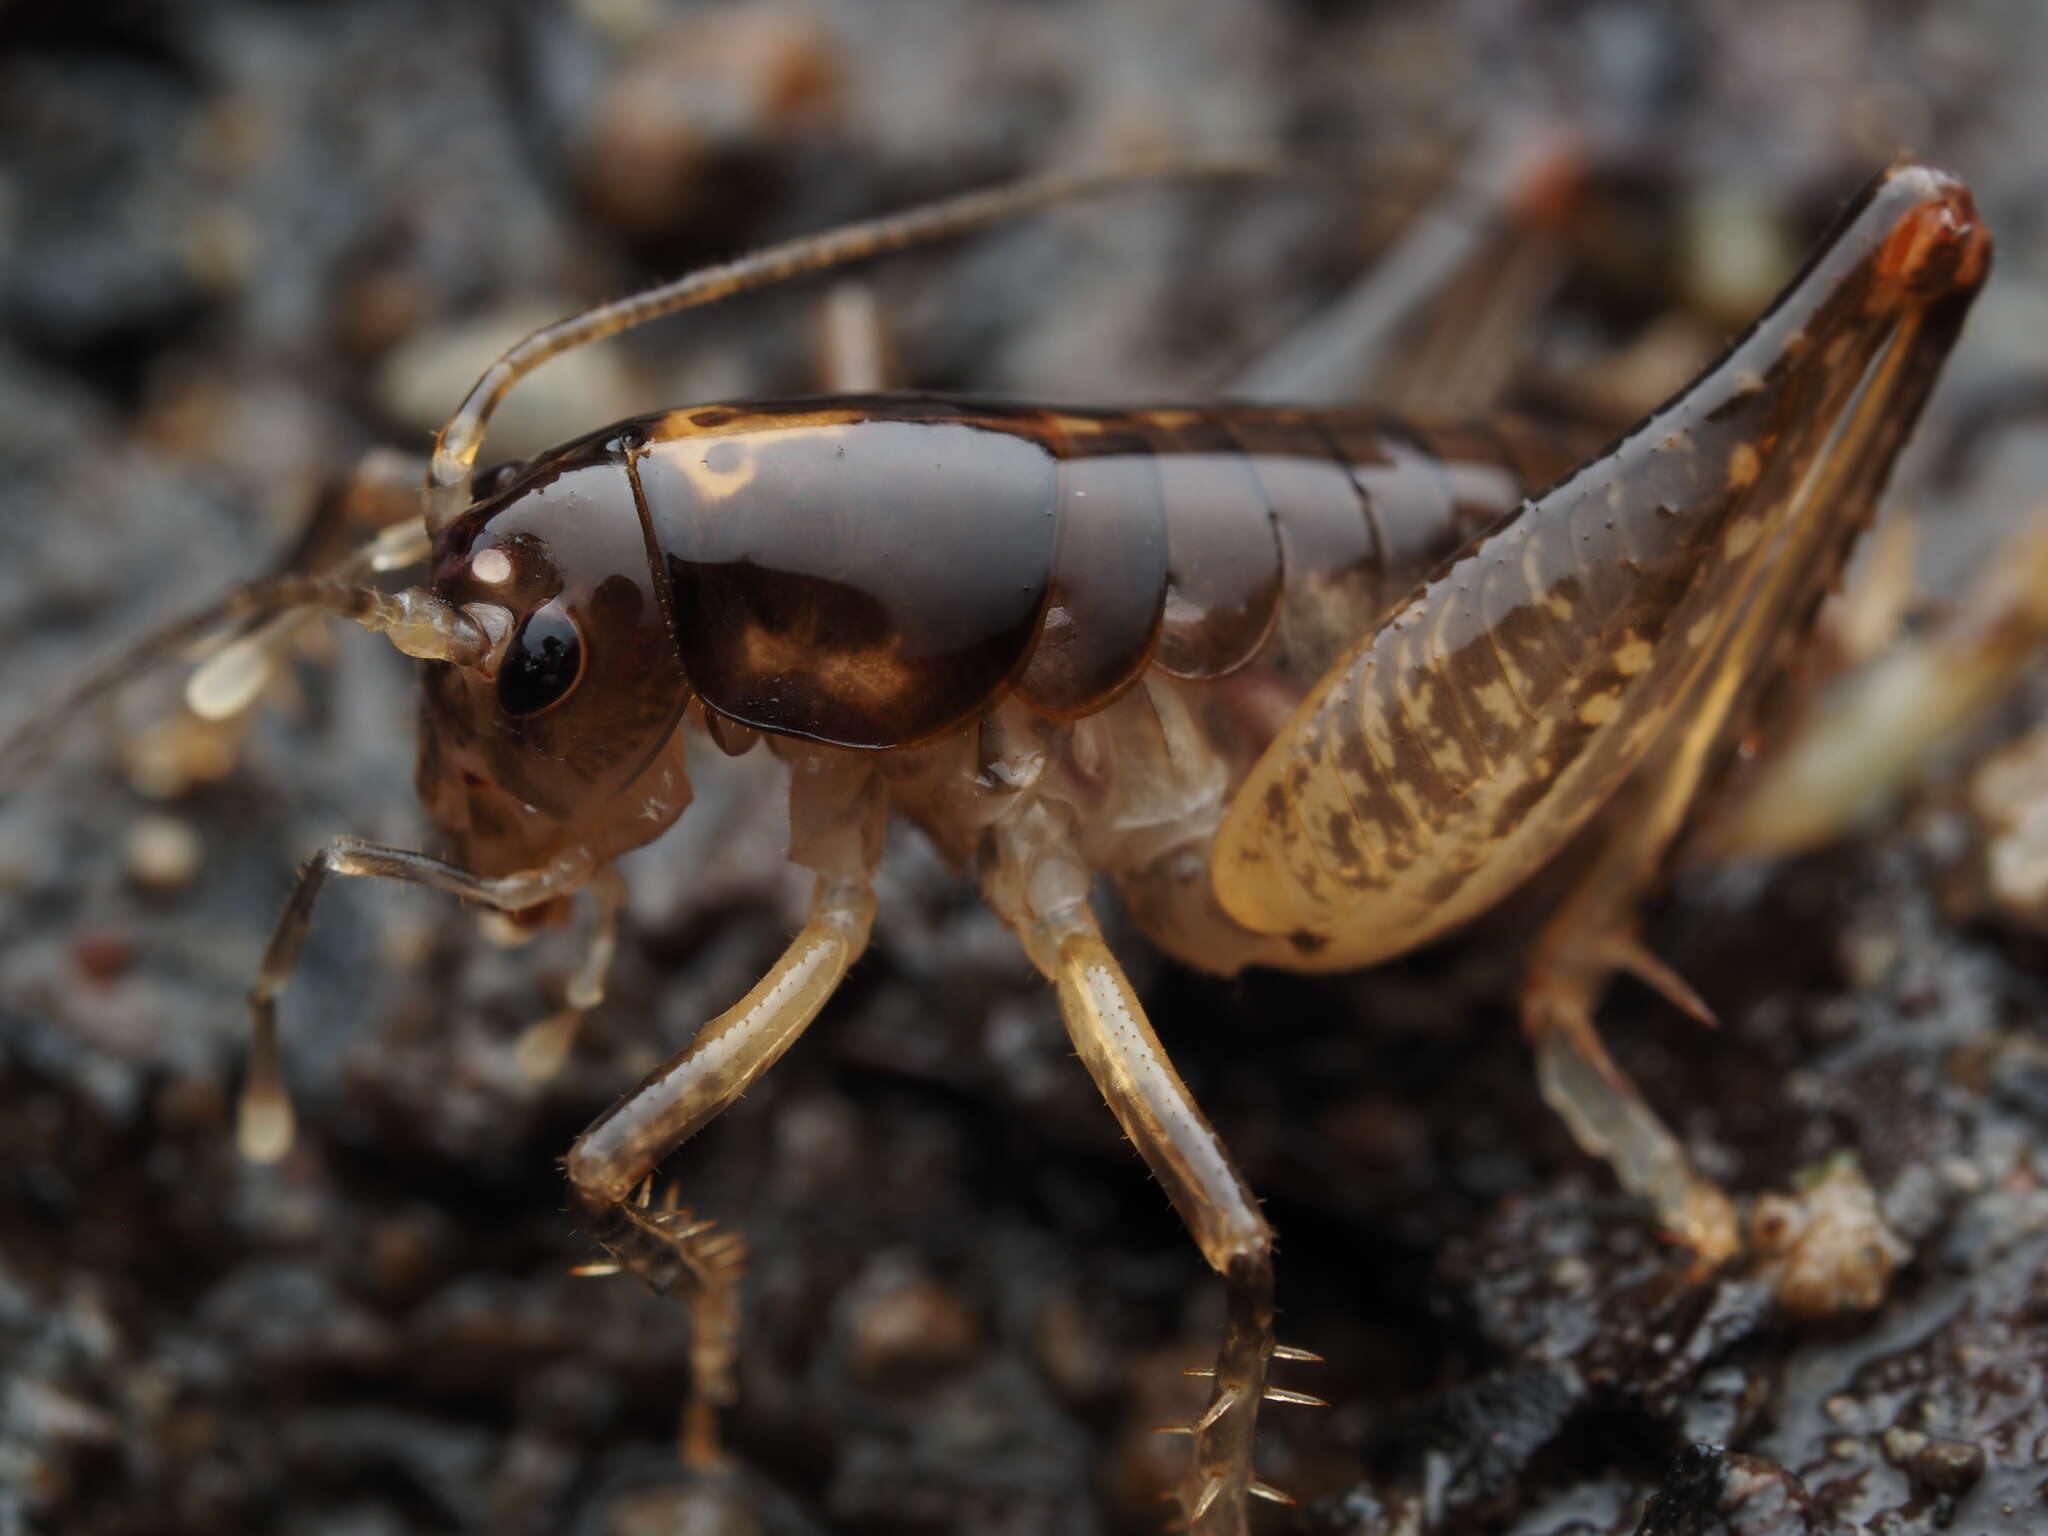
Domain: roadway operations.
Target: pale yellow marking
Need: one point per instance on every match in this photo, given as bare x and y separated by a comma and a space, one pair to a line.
1165, 418
491, 566
1559, 605
1085, 426
1633, 655
1414, 678
1445, 612
1517, 691
1500, 704
1742, 536
1518, 680
1441, 746
677, 426
1338, 788
1445, 752
746, 448
868, 678
1467, 607
1600, 709
1306, 847
1702, 630
1373, 711
1743, 466
1532, 576
1643, 730
718, 484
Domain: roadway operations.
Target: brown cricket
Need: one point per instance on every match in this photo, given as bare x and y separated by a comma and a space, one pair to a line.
1312, 687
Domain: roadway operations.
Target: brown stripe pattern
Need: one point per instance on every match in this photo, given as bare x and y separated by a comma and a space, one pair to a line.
1612, 624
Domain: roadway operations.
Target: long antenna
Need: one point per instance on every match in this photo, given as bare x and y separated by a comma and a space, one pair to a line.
446, 493
414, 620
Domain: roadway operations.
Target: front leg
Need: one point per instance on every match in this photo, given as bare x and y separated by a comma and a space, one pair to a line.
264, 1123
1155, 1109
545, 1045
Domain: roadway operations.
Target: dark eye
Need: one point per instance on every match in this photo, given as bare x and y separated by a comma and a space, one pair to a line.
542, 663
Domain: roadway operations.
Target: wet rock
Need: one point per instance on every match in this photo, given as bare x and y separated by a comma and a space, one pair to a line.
1711, 1493
1472, 1445
1947, 1467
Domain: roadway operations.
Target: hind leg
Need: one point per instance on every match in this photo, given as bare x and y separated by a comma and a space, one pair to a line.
264, 1123
1594, 935
1606, 1114
1874, 728
1437, 326
1826, 1249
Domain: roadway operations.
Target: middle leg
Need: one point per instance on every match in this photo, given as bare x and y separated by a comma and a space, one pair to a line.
1040, 887
836, 815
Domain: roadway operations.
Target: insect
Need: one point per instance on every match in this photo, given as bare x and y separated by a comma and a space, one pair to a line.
1311, 687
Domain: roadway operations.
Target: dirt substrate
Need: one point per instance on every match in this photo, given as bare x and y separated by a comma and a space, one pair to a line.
248, 242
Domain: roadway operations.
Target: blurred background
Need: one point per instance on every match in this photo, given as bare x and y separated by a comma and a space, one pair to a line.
243, 243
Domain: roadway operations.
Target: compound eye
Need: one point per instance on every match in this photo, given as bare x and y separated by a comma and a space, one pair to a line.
542, 664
